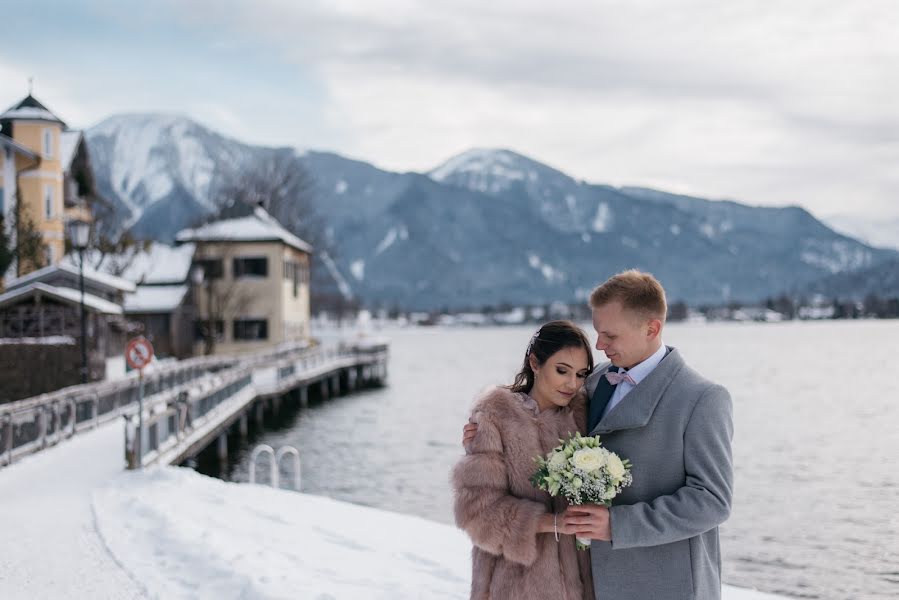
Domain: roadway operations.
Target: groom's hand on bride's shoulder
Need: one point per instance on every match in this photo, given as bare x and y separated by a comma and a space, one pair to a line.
589, 521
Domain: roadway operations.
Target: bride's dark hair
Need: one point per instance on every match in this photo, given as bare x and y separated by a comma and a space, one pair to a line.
548, 340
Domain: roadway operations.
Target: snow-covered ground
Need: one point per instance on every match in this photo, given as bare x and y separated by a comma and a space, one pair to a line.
50, 547
75, 525
189, 536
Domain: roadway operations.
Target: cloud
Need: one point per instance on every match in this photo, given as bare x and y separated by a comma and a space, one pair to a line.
773, 104
793, 103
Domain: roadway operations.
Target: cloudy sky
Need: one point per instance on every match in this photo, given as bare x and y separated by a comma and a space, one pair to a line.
763, 102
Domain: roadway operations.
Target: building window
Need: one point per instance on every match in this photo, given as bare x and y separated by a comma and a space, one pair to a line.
250, 267
49, 208
292, 274
49, 255
251, 329
212, 268
48, 143
200, 329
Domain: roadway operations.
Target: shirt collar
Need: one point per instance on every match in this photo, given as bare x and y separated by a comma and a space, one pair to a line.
640, 371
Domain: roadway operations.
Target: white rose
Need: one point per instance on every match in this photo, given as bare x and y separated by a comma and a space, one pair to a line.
588, 459
558, 461
614, 466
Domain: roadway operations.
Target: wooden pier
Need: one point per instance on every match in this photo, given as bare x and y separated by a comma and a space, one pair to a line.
190, 418
190, 404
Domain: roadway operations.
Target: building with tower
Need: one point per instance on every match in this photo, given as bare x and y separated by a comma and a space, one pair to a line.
45, 175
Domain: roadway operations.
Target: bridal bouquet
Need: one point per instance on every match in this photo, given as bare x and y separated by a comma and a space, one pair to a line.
583, 472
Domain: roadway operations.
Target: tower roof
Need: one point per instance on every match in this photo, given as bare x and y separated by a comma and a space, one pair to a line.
30, 109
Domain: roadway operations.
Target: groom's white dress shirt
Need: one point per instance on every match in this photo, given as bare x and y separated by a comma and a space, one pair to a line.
638, 373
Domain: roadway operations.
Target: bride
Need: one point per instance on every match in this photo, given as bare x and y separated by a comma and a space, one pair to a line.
521, 549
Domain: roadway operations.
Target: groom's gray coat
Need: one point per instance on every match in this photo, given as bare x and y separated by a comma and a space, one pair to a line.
676, 428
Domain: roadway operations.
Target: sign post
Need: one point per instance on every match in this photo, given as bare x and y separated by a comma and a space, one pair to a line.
138, 354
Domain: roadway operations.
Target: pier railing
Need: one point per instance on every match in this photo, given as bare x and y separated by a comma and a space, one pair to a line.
187, 417
32, 424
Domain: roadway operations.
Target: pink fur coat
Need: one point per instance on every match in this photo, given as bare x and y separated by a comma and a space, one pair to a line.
498, 507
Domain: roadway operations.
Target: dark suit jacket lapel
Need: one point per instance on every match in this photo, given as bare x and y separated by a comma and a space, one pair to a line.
637, 407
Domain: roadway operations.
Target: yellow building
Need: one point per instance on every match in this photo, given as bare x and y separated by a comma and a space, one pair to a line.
44, 165
253, 291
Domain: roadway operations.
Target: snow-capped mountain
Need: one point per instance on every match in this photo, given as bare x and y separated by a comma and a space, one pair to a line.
486, 227
162, 171
492, 170
558, 198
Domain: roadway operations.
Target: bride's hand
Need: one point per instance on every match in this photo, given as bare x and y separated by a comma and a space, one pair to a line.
550, 523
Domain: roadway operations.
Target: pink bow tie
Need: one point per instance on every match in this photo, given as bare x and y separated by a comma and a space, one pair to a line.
616, 378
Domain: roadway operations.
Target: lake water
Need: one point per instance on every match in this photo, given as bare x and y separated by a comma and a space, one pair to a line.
816, 512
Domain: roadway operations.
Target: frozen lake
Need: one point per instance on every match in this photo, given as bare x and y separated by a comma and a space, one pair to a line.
817, 439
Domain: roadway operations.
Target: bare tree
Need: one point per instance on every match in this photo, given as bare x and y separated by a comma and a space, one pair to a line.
281, 185
285, 189
118, 253
27, 249
114, 248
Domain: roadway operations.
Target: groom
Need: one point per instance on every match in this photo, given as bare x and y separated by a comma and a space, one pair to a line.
660, 537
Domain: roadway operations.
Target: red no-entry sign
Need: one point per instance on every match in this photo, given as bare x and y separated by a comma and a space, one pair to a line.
139, 353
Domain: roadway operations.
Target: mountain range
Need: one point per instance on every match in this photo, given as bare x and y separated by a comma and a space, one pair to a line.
487, 227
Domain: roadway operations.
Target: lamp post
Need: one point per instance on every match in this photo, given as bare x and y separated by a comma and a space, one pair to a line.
79, 234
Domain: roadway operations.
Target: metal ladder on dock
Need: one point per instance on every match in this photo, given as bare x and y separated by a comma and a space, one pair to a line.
275, 462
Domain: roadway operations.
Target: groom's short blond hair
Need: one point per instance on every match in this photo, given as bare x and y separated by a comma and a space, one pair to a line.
637, 291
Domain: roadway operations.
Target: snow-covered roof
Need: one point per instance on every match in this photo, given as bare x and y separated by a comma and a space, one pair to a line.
35, 114
61, 293
160, 264
68, 145
258, 227
95, 277
7, 141
155, 299
30, 109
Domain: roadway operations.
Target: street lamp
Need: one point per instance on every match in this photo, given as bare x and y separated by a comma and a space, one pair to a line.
79, 234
